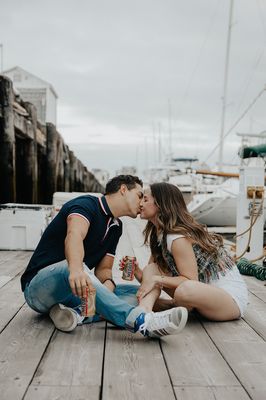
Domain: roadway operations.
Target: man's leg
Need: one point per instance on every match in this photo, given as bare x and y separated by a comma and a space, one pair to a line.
51, 286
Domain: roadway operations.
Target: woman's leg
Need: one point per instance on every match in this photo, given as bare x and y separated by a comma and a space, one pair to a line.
211, 302
149, 300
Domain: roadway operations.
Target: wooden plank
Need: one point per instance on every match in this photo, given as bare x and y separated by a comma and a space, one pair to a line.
256, 287
211, 393
134, 368
255, 315
16, 263
245, 351
73, 359
3, 280
22, 345
11, 300
62, 393
8, 256
254, 283
193, 359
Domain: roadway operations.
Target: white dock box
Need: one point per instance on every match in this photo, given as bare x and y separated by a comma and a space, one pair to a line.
21, 225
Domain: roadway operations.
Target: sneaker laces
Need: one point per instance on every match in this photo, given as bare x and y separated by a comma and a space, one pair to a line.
153, 322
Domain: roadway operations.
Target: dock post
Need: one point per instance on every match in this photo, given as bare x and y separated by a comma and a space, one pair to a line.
51, 177
7, 143
31, 159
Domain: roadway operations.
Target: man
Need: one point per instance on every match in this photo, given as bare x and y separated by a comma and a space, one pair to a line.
82, 236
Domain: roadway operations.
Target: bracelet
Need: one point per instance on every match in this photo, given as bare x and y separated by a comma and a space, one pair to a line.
111, 280
161, 283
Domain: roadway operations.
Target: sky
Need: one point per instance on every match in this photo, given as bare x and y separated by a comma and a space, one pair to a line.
139, 80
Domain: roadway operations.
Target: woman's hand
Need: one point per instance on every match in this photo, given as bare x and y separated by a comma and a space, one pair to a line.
79, 281
145, 288
137, 269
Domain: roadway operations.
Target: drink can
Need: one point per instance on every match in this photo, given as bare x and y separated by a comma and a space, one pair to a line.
88, 303
129, 268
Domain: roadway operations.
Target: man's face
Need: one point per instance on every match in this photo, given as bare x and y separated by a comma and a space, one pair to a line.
133, 198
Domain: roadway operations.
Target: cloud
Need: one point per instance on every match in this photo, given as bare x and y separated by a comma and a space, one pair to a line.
116, 64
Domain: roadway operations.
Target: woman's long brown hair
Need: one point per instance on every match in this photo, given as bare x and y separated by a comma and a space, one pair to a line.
173, 217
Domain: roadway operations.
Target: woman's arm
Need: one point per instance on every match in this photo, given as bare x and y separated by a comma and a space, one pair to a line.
139, 272
185, 262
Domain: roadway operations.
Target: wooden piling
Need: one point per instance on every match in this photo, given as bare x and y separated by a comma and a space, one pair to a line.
35, 162
31, 158
7, 142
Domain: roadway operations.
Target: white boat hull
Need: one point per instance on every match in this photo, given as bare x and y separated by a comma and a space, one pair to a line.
214, 210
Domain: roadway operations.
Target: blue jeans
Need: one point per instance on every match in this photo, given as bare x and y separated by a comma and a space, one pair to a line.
51, 286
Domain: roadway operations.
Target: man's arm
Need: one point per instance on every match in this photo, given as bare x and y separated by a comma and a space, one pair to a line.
103, 271
77, 229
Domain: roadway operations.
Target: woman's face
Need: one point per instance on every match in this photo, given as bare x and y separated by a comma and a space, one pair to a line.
148, 209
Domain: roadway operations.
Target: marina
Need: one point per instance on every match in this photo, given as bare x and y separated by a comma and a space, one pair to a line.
207, 360
151, 90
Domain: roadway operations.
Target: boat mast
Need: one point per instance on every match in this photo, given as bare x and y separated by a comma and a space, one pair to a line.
224, 98
170, 129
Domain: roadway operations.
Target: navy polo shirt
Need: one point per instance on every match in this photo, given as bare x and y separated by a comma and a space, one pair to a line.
101, 239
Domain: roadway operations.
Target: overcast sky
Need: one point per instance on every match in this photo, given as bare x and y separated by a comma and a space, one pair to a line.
120, 67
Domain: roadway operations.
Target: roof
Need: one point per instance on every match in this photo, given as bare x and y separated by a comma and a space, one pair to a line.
34, 76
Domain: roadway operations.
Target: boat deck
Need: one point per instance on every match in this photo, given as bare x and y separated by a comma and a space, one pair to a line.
207, 360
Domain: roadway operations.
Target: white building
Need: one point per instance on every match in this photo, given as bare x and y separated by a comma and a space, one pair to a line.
101, 175
36, 91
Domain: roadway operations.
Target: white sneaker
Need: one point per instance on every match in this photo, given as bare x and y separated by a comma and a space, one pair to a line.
169, 322
64, 318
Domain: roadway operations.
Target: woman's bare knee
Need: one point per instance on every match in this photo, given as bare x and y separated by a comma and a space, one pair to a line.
184, 292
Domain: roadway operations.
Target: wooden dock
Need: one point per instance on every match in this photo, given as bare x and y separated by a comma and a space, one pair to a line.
206, 361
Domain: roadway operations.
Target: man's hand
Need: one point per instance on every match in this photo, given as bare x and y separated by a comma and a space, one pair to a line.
79, 281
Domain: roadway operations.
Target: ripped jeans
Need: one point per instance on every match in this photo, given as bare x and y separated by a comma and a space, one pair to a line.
51, 286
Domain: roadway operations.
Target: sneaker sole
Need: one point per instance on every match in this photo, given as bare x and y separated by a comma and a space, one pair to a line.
183, 318
64, 319
176, 328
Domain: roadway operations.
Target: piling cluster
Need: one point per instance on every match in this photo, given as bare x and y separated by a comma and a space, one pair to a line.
35, 161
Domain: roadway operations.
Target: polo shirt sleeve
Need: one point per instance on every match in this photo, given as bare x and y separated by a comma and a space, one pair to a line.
82, 208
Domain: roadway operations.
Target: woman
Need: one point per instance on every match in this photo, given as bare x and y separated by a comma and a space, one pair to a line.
187, 262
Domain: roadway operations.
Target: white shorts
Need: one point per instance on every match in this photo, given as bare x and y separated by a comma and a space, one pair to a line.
233, 283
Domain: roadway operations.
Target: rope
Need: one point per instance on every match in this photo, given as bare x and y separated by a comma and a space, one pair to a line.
253, 219
246, 267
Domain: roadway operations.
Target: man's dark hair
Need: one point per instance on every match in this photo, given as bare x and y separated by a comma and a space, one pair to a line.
114, 184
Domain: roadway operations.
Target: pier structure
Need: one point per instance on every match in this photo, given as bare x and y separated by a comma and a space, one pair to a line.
35, 161
207, 360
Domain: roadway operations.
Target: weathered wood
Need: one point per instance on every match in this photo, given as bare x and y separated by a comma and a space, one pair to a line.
58, 392
211, 393
51, 161
31, 159
13, 266
7, 142
193, 359
134, 368
257, 287
11, 300
245, 352
67, 171
22, 345
24, 143
255, 315
74, 359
